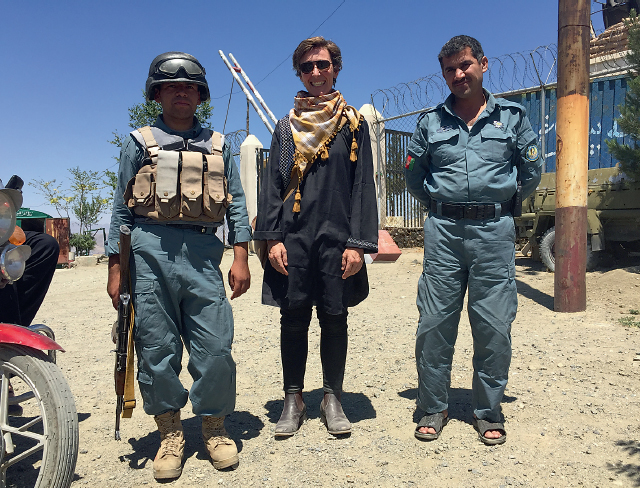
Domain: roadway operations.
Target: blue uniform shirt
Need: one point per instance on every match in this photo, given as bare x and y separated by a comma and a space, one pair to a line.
131, 157
451, 162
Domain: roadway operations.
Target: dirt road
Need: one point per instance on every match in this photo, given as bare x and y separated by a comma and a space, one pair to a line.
571, 404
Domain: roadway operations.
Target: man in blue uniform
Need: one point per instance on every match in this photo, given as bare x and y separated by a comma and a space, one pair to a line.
466, 160
179, 182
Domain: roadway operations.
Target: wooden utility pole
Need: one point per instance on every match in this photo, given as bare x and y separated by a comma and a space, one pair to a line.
572, 142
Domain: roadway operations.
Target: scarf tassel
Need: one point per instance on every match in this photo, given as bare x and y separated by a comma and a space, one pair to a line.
324, 153
296, 203
300, 163
354, 150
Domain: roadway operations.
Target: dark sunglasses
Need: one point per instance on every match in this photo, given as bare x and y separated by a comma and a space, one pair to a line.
170, 67
322, 65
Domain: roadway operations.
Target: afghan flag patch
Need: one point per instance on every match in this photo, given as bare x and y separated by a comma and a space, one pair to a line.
409, 164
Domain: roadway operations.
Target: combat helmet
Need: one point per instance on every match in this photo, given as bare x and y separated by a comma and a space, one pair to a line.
176, 66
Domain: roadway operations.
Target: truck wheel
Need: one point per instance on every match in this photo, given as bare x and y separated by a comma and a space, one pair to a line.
548, 256
547, 249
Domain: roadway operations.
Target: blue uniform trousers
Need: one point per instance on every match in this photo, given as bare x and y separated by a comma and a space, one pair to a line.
479, 255
179, 296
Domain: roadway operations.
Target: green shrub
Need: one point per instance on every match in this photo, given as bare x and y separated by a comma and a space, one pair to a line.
83, 243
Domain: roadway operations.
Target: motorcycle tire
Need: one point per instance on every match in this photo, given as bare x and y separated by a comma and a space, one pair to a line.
45, 436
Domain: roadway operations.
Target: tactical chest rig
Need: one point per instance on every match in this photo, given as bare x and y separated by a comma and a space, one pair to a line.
184, 181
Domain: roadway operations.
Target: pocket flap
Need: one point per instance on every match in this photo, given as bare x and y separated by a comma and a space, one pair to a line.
491, 132
445, 135
191, 175
215, 177
167, 175
141, 188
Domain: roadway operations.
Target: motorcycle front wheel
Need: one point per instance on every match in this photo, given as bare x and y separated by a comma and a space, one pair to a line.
38, 422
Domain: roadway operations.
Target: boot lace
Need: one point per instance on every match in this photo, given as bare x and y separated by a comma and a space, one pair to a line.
214, 432
169, 436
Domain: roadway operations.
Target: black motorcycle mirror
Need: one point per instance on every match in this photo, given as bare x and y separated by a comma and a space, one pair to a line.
15, 183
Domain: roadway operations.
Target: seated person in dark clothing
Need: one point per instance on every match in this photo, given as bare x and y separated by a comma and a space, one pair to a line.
20, 301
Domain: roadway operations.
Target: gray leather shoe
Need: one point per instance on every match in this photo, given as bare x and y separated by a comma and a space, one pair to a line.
333, 416
291, 418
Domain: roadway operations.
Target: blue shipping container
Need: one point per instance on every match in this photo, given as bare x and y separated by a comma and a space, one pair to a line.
605, 97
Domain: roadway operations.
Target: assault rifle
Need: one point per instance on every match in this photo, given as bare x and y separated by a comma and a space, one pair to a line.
122, 330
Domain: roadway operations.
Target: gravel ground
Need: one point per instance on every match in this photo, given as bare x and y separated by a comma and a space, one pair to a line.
571, 405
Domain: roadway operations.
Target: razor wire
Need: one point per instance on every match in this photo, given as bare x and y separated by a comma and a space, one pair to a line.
507, 73
235, 139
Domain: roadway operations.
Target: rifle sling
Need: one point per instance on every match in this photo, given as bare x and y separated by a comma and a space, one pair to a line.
129, 380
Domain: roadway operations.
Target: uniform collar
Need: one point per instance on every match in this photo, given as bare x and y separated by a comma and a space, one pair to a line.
491, 103
188, 134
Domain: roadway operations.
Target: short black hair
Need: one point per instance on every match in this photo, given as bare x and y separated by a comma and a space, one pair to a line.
459, 43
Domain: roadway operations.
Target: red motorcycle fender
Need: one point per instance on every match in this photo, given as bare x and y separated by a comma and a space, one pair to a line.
14, 334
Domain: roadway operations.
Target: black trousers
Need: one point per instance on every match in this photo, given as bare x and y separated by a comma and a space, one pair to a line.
20, 301
294, 347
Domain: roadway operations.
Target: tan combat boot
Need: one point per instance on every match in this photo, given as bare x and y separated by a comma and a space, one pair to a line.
168, 461
222, 449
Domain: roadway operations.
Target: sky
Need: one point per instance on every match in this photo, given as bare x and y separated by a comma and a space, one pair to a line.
73, 68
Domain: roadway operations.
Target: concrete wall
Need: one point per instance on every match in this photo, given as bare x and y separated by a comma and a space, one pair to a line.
249, 173
376, 132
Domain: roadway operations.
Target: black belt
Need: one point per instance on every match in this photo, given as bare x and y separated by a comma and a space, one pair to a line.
473, 211
203, 229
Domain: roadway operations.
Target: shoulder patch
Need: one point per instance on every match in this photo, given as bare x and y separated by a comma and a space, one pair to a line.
409, 164
531, 153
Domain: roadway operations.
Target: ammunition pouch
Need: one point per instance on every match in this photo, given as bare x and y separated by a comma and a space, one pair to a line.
179, 185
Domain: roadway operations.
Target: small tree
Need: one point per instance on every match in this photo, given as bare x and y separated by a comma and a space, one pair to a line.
629, 120
82, 199
83, 243
110, 180
54, 194
87, 204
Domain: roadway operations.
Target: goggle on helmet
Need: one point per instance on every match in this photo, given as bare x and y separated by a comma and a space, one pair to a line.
176, 66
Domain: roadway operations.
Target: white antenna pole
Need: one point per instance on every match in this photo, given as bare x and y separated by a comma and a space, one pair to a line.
253, 88
246, 92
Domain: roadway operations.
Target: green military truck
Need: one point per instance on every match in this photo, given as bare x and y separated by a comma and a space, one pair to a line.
613, 217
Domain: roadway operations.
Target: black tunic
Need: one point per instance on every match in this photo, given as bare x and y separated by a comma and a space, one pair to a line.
338, 209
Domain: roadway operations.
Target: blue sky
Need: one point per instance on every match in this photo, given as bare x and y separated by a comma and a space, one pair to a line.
72, 68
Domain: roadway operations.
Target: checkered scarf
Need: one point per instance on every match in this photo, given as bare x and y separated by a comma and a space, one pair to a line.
315, 121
